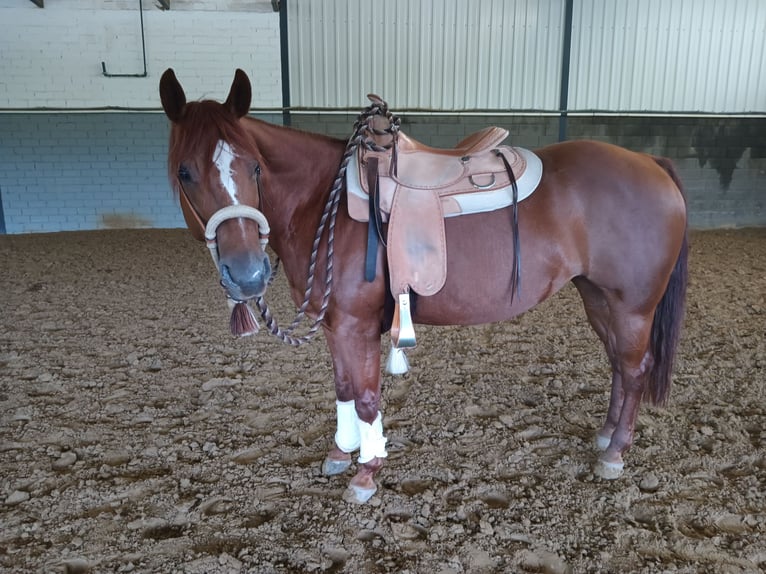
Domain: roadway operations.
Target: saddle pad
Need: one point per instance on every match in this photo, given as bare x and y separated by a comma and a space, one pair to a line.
527, 167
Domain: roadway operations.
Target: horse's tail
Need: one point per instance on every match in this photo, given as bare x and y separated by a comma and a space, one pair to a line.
669, 315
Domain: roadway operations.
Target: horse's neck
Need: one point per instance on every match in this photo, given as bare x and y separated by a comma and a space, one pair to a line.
299, 170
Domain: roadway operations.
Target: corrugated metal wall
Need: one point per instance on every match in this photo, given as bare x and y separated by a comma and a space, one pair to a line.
627, 55
669, 55
433, 54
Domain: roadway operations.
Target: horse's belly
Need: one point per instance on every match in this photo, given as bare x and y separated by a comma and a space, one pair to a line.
479, 287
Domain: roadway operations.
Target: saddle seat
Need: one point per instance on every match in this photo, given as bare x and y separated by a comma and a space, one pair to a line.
478, 142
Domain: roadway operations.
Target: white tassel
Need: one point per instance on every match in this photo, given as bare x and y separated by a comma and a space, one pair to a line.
243, 322
397, 363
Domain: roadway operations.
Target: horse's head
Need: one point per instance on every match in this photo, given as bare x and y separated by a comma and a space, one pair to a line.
214, 166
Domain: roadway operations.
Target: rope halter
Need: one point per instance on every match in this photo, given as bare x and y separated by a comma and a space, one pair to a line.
234, 212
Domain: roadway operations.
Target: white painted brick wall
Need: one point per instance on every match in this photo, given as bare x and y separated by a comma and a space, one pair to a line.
65, 170
51, 57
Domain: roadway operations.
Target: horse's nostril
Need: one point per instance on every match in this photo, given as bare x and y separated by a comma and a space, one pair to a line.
226, 274
227, 281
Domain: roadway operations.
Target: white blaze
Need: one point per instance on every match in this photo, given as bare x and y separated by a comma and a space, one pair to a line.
223, 157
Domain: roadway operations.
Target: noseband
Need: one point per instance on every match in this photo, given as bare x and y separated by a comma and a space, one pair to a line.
234, 212
208, 233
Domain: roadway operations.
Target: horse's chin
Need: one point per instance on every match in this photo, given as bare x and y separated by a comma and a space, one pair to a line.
235, 297
234, 300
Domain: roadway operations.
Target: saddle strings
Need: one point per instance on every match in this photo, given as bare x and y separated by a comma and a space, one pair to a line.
363, 135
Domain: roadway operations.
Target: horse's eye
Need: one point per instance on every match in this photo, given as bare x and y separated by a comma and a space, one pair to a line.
184, 174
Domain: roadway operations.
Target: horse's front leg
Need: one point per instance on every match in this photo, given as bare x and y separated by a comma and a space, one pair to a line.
355, 350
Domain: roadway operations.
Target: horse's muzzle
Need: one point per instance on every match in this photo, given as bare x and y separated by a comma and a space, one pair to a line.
246, 277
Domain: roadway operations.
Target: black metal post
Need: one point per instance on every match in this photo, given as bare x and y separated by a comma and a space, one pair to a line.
143, 49
2, 214
284, 54
565, 60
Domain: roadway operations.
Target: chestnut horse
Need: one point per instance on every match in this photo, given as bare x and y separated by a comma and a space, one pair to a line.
610, 220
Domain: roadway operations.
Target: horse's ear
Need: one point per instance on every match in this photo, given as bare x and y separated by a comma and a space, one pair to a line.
172, 95
239, 94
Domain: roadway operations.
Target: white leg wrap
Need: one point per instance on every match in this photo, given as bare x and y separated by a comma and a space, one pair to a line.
602, 442
347, 436
373, 442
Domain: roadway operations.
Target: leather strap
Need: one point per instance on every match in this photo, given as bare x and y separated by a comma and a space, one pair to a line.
516, 271
193, 220
373, 231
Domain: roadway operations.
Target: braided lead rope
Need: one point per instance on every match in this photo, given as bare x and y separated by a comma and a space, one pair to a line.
362, 128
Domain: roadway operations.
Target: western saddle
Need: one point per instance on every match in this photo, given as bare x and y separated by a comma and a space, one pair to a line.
395, 179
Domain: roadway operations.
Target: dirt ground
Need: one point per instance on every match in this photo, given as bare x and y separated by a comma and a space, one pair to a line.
136, 435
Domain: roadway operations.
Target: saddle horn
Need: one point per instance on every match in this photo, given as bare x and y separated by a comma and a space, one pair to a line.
377, 100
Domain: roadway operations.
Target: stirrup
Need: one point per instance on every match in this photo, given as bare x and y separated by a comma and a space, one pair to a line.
402, 330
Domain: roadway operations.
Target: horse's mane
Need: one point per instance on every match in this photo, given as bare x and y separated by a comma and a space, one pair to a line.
203, 125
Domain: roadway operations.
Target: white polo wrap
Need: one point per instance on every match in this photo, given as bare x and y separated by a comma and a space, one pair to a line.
347, 436
373, 442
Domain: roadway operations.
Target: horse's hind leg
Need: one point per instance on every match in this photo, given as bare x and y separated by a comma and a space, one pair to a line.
634, 362
625, 336
599, 316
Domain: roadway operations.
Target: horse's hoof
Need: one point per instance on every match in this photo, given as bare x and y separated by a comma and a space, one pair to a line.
602, 442
357, 494
608, 470
332, 467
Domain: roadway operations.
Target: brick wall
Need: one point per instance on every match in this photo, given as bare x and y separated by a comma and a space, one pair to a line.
64, 172
84, 171
721, 161
95, 170
52, 57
